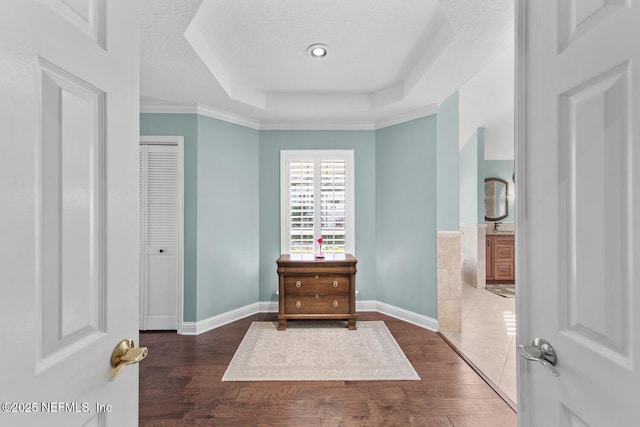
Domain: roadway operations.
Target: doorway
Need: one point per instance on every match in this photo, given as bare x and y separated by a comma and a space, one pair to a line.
487, 150
161, 232
488, 320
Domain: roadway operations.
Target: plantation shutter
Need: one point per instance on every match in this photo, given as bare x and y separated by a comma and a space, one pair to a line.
301, 193
317, 201
333, 205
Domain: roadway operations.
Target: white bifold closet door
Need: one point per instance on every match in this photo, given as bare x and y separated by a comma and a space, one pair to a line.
159, 236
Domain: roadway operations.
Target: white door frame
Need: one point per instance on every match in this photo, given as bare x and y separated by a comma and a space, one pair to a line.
522, 308
179, 142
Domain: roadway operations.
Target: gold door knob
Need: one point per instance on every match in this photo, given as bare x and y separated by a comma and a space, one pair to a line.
125, 354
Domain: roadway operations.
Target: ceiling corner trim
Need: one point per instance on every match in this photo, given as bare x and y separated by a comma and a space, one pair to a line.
405, 117
203, 110
237, 119
208, 111
353, 125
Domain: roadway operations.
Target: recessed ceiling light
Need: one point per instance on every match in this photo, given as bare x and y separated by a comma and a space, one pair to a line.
317, 50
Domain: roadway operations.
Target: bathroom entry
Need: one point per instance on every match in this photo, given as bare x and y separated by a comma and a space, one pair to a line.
488, 263
161, 233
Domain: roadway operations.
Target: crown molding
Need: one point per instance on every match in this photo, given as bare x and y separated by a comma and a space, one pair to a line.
355, 125
205, 110
215, 113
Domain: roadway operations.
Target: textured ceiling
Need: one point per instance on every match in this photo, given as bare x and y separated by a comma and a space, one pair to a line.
247, 59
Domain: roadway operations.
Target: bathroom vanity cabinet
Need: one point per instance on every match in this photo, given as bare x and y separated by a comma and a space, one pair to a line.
500, 256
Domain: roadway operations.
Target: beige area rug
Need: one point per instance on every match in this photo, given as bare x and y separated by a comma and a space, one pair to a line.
319, 351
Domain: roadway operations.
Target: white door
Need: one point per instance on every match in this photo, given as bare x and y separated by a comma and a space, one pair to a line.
69, 100
161, 233
578, 176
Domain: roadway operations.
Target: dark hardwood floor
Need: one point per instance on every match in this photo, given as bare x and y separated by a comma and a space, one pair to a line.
180, 385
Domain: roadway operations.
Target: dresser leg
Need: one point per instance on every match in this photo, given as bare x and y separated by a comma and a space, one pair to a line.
351, 324
282, 324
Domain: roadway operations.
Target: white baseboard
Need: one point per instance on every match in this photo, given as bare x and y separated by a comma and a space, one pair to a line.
399, 313
201, 326
197, 328
366, 305
268, 307
421, 320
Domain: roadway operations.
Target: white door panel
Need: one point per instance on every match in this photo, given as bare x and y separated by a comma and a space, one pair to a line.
578, 182
71, 212
68, 260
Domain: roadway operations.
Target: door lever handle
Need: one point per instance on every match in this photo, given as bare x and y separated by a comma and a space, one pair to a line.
125, 354
540, 351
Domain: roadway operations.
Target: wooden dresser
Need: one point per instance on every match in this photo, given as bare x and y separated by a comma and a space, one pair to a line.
311, 288
500, 258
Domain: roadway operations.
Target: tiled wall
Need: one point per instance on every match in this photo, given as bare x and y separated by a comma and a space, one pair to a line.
473, 254
449, 281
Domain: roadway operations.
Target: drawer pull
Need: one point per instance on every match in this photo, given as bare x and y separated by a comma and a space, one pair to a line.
335, 304
298, 304
317, 277
298, 284
317, 296
335, 283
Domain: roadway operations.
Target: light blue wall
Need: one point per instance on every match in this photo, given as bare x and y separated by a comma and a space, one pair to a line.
221, 211
473, 170
448, 150
232, 209
406, 222
228, 216
471, 181
500, 169
183, 125
363, 144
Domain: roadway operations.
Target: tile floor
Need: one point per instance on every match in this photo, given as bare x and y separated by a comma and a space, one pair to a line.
488, 336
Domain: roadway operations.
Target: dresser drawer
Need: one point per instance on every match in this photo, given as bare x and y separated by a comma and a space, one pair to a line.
316, 304
316, 284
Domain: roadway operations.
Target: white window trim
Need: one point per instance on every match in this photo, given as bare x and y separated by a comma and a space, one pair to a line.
285, 157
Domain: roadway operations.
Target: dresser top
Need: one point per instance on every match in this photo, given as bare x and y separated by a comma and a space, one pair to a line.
341, 258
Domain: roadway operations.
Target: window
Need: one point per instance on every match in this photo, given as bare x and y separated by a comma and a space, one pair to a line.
317, 201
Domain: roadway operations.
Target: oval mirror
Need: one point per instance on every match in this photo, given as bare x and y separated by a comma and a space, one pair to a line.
496, 199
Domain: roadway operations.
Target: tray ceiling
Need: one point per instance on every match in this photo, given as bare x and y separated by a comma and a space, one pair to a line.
248, 59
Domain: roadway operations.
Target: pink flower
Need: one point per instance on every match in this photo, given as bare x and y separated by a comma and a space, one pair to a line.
320, 240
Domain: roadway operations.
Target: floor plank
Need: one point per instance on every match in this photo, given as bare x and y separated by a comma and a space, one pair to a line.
180, 384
